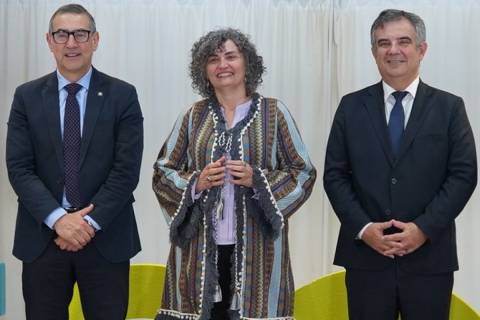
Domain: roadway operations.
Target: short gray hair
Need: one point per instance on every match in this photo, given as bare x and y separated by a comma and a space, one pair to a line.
390, 15
75, 9
209, 44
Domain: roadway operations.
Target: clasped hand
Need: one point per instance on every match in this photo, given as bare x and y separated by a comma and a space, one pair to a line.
409, 239
73, 231
213, 175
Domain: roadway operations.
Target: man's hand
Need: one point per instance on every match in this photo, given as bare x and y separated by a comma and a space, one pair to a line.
74, 230
410, 238
374, 237
65, 245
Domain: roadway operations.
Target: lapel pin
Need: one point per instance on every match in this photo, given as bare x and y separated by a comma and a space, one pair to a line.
100, 93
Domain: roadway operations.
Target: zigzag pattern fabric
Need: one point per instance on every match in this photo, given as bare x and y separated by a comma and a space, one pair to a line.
269, 141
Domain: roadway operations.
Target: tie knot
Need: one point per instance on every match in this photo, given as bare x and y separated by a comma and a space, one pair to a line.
73, 88
399, 95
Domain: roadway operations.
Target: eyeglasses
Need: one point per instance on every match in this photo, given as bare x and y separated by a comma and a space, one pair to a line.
62, 36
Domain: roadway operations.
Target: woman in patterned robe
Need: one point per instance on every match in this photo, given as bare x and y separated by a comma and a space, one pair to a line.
232, 171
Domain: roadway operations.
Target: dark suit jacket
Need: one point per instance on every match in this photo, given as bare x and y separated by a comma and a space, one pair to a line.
110, 158
429, 183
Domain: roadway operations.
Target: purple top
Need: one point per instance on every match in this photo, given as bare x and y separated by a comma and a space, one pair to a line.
225, 228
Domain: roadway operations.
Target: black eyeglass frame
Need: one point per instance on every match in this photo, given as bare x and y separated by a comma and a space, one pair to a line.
71, 33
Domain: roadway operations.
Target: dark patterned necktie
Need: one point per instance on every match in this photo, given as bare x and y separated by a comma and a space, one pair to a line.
396, 123
71, 145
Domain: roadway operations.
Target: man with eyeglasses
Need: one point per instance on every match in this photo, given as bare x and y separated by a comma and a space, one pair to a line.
73, 151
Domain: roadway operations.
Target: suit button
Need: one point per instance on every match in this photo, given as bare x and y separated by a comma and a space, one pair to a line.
394, 181
388, 212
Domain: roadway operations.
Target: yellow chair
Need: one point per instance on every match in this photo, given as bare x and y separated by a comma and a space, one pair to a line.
460, 310
146, 288
323, 299
326, 299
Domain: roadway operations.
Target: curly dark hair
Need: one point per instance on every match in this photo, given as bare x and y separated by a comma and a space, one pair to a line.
209, 44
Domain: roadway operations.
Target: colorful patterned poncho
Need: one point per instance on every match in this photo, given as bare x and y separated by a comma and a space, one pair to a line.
268, 139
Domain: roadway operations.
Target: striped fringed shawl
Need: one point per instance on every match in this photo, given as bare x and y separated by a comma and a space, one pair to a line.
268, 139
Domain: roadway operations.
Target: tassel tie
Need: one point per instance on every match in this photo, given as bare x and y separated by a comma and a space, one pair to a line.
235, 305
217, 296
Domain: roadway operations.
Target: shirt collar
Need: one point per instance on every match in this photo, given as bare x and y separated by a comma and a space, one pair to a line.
245, 104
83, 81
241, 107
411, 89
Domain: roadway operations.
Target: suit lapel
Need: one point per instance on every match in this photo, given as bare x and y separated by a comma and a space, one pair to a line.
95, 100
375, 105
419, 111
52, 113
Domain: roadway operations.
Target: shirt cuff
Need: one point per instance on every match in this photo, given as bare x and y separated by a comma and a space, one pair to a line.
53, 217
195, 196
93, 223
256, 194
360, 234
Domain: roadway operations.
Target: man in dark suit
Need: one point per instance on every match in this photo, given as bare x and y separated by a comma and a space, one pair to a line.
74, 148
399, 168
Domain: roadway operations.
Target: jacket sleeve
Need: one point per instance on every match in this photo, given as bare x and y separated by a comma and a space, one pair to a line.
20, 158
173, 181
337, 178
461, 176
123, 177
281, 191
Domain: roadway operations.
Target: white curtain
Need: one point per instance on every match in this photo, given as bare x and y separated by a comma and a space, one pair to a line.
315, 52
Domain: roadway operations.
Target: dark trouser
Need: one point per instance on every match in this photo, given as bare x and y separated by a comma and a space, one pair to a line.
382, 295
220, 309
48, 285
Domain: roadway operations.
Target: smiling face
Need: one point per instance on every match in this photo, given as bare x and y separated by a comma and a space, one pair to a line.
396, 53
73, 59
226, 68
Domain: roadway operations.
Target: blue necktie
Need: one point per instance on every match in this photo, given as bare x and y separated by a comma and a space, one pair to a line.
71, 145
397, 121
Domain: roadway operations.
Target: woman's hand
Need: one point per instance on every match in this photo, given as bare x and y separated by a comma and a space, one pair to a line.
212, 175
241, 172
